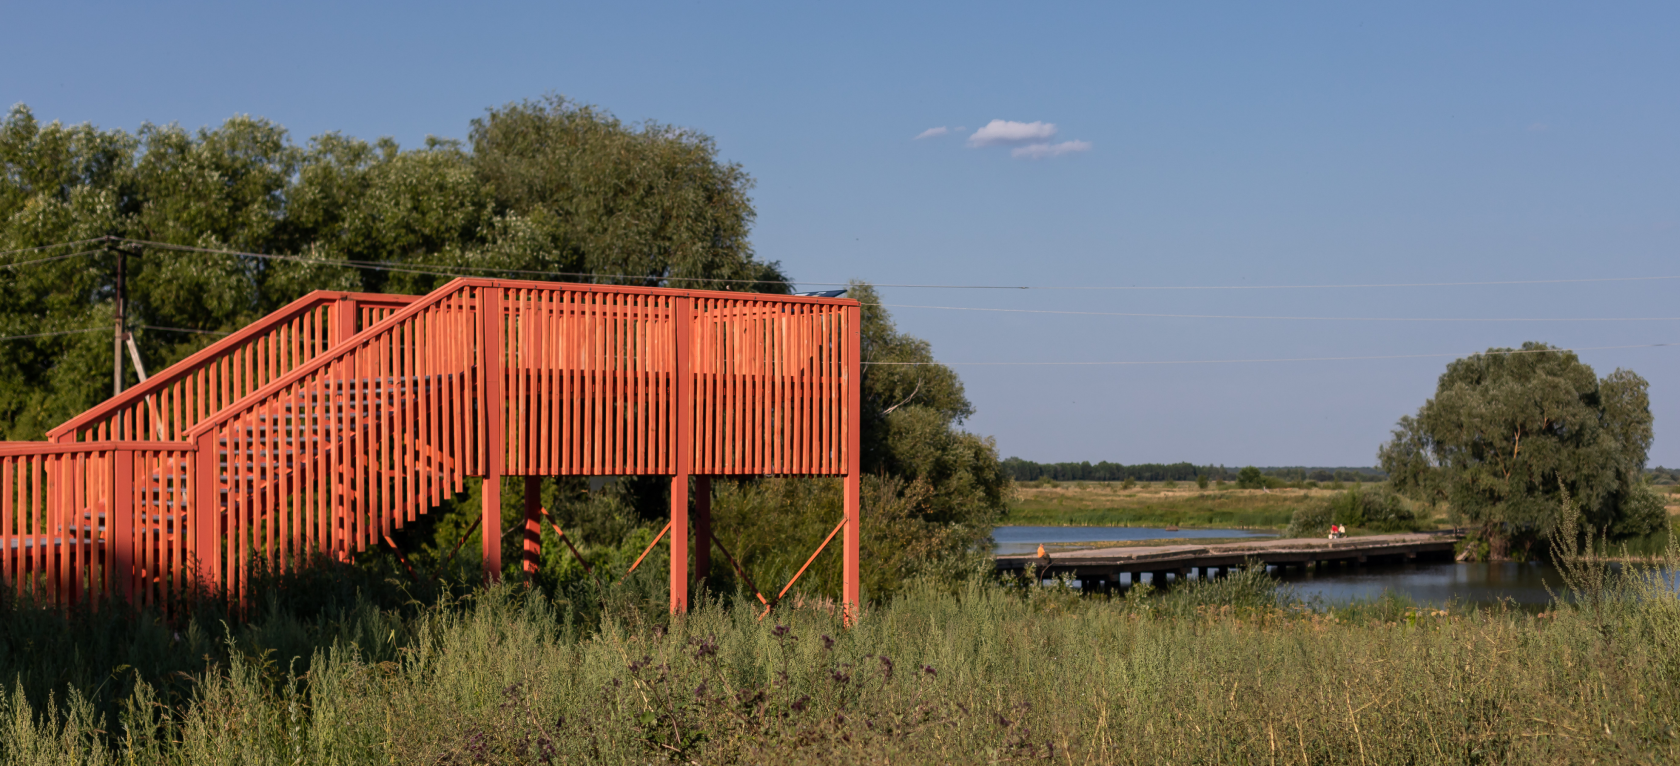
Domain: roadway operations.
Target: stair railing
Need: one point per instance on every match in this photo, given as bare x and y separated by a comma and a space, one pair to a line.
174, 399
84, 521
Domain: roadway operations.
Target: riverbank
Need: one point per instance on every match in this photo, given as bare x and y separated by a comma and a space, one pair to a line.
1111, 504
976, 672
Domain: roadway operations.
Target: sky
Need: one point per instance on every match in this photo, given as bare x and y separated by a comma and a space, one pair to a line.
1307, 145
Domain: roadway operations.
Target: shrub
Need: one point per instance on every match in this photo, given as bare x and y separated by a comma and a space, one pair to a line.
1387, 512
1169, 484
1311, 520
1250, 478
1128, 483
1202, 481
1377, 510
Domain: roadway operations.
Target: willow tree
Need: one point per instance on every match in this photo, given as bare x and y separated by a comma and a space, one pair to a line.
1509, 430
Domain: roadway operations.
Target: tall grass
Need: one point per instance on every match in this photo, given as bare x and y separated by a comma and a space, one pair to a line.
981, 671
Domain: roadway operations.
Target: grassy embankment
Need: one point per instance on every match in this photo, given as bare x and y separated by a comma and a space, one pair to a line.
1109, 504
1216, 672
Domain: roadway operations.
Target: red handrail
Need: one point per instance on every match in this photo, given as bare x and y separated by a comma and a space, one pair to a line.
165, 404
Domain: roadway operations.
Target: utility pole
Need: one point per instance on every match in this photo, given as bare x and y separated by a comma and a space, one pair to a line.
121, 324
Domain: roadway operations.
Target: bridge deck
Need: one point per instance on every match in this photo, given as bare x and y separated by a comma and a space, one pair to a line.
1109, 563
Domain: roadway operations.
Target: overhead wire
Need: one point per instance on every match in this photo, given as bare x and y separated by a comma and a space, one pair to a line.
1254, 361
108, 329
1305, 318
45, 260
51, 334
182, 329
455, 271
19, 250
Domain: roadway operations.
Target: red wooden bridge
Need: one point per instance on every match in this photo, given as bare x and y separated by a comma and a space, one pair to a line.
333, 421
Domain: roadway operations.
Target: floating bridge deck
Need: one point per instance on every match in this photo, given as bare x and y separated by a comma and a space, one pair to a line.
1103, 567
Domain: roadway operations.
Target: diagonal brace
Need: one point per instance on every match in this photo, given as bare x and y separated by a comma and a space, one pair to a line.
802, 569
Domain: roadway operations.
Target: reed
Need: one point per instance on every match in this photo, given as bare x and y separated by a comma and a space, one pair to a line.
1229, 671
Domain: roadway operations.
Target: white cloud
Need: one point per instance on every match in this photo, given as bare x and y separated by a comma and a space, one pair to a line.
932, 133
1010, 132
1040, 151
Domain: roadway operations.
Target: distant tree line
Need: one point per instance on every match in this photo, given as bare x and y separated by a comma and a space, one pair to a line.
1027, 470
1661, 475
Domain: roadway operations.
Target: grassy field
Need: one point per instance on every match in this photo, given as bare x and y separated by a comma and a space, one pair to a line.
1216, 672
1149, 505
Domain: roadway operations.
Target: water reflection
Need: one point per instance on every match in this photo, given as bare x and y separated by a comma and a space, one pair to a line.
1434, 583
1015, 541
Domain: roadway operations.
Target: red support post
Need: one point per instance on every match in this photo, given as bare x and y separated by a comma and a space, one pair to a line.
682, 308
851, 566
121, 539
492, 408
702, 528
344, 320
206, 515
532, 560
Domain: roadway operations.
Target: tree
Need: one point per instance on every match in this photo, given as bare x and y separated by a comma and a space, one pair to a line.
542, 188
1250, 478
1508, 432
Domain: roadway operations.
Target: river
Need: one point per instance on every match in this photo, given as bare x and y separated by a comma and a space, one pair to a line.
1434, 583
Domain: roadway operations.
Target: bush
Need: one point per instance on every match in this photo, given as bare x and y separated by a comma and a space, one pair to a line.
1378, 511
1169, 484
1128, 483
1202, 481
1311, 520
1250, 478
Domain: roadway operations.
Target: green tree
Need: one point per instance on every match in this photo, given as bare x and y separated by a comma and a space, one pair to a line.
1506, 433
541, 188
1250, 478
650, 202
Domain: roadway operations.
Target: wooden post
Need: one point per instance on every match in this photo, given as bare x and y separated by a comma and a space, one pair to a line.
344, 321
119, 312
532, 560
702, 528
851, 567
492, 409
120, 546
204, 533
682, 307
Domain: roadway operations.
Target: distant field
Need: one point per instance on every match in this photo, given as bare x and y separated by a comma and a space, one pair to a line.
1094, 504
1107, 504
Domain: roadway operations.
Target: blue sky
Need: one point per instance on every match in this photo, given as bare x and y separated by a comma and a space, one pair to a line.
1219, 144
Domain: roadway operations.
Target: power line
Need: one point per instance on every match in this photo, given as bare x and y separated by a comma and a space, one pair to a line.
102, 329
458, 271
49, 247
1307, 318
182, 329
1290, 287
381, 267
51, 334
1250, 361
45, 260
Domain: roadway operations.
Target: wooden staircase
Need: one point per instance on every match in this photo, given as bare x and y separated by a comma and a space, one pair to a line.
329, 424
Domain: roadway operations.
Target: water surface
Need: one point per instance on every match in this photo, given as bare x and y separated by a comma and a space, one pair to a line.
1434, 583
1014, 541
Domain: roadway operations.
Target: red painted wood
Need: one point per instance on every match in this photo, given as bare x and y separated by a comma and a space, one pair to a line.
301, 434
